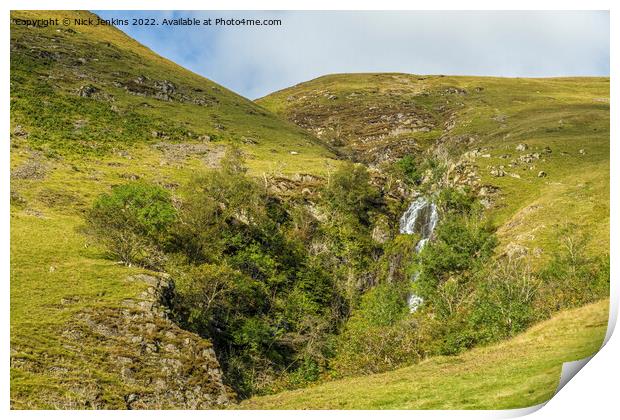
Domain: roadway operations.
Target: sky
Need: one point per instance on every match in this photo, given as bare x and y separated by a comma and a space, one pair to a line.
256, 60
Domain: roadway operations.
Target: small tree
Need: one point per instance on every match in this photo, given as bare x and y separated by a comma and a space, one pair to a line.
132, 222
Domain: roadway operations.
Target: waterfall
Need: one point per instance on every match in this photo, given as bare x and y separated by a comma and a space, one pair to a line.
420, 218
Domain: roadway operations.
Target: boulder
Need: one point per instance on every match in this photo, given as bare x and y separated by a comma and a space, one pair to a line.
19, 131
514, 250
87, 91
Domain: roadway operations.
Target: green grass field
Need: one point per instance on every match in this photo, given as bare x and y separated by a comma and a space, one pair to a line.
520, 372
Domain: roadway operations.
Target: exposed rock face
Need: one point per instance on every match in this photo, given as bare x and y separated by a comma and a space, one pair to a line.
463, 173
305, 185
177, 153
163, 90
19, 131
161, 365
375, 134
381, 231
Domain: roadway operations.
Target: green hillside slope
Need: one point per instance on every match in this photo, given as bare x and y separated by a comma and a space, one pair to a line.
521, 372
93, 90
90, 109
479, 121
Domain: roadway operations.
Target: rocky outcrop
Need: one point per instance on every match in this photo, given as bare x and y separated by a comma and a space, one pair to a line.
34, 168
164, 90
463, 173
359, 126
160, 365
299, 185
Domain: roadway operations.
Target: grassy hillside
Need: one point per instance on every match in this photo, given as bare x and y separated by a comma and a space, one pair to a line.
90, 109
521, 372
93, 90
564, 122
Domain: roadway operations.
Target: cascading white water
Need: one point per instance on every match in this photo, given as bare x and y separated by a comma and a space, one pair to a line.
420, 218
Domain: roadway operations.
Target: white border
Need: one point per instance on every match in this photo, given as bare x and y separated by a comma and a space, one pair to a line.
594, 391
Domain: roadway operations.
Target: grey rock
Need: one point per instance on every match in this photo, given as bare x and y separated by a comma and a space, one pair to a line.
87, 91
19, 131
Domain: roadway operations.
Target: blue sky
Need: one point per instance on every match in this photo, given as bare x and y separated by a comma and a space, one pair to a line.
254, 61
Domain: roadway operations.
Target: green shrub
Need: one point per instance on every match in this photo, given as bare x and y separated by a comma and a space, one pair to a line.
452, 200
246, 280
396, 265
378, 335
133, 222
504, 301
572, 278
407, 169
381, 306
350, 193
210, 296
461, 243
221, 208
378, 349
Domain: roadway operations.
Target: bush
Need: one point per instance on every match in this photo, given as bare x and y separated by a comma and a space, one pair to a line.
381, 306
572, 278
505, 298
133, 222
210, 296
378, 349
246, 280
461, 243
350, 193
396, 265
378, 336
407, 169
221, 208
452, 200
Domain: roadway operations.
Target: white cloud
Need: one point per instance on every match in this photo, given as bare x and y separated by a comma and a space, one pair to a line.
255, 61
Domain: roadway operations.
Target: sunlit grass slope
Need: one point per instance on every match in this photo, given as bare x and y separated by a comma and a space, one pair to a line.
563, 121
520, 372
91, 108
92, 90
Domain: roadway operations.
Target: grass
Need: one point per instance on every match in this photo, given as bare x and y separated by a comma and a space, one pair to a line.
55, 275
86, 145
491, 114
49, 66
520, 372
89, 144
